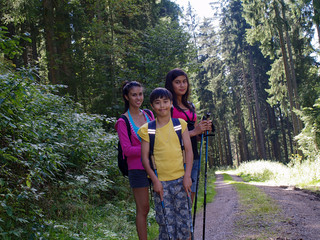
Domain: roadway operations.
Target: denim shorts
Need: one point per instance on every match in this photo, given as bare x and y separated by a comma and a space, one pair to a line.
138, 178
176, 216
194, 174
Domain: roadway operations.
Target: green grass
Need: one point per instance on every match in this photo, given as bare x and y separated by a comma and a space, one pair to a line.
259, 214
303, 174
211, 192
113, 220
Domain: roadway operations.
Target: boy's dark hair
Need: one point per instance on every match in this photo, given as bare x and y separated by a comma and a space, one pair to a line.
160, 93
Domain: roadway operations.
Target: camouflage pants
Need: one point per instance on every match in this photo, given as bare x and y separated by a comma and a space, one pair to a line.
176, 208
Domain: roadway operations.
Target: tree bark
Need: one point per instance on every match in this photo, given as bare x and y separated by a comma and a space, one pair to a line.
287, 71
243, 144
249, 103
218, 132
284, 137
64, 48
260, 136
292, 67
275, 146
229, 152
48, 19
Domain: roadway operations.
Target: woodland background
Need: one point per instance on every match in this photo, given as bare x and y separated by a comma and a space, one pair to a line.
62, 67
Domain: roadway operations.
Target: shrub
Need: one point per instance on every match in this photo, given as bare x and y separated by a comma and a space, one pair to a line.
49, 151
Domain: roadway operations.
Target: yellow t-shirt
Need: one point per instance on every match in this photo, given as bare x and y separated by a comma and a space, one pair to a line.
167, 150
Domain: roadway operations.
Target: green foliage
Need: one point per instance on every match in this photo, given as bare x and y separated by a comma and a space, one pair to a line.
11, 46
297, 173
109, 222
49, 151
309, 138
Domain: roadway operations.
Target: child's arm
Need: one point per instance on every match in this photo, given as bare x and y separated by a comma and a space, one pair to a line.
189, 160
157, 186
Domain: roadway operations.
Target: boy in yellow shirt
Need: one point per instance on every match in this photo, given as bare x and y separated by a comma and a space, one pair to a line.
171, 182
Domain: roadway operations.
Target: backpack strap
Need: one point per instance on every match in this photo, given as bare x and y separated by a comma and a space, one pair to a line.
177, 128
149, 113
127, 124
152, 136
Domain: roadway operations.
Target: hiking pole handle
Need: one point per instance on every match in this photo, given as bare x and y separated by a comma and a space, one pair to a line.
206, 118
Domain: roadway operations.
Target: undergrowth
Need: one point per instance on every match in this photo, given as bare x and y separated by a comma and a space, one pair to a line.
303, 174
211, 192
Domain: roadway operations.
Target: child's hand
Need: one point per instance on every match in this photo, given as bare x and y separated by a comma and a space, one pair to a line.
158, 188
187, 184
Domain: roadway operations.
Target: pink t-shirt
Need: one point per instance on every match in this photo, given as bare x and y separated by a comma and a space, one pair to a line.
177, 114
130, 149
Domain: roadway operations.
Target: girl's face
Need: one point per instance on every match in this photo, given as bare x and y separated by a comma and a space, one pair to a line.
180, 85
135, 96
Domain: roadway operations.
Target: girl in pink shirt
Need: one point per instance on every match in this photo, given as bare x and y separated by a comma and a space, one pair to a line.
132, 93
177, 83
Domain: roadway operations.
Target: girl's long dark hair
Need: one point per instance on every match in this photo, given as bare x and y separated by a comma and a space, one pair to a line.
126, 87
173, 74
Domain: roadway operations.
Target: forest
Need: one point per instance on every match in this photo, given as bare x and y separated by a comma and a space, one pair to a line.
62, 65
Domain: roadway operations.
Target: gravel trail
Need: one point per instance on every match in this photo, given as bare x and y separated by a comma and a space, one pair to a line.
299, 210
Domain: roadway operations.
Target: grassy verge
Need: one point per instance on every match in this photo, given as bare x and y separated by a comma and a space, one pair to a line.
110, 222
95, 219
259, 214
211, 192
301, 174
114, 220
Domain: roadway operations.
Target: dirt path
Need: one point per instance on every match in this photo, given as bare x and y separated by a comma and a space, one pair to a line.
220, 215
300, 214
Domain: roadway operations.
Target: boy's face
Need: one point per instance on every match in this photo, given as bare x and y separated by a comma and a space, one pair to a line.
162, 107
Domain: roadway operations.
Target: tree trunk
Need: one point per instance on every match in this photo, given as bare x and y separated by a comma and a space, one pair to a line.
292, 67
243, 144
275, 146
34, 37
48, 19
316, 7
260, 135
64, 48
237, 154
241, 152
229, 153
225, 135
289, 129
218, 131
249, 102
287, 71
284, 137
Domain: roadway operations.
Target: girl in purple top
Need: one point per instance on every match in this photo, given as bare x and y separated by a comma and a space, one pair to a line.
132, 93
177, 83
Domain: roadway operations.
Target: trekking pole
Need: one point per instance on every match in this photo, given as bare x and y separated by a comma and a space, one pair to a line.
162, 202
197, 181
190, 213
189, 199
205, 185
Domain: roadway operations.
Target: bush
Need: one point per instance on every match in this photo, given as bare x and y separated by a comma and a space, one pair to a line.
309, 138
53, 157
